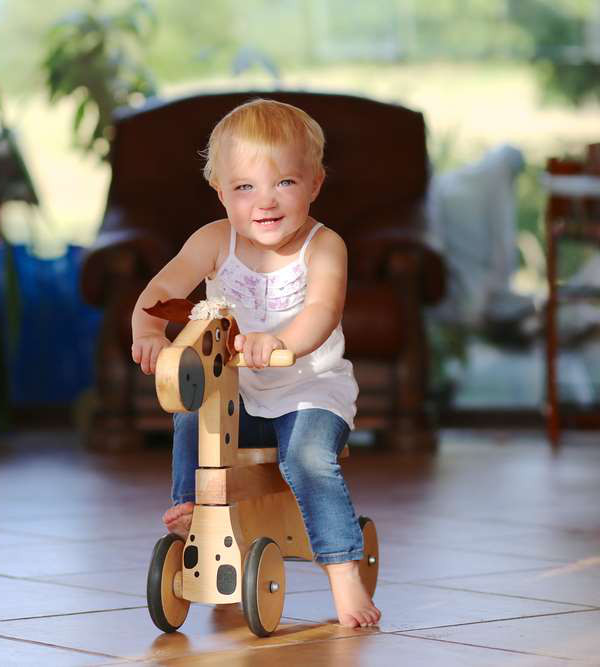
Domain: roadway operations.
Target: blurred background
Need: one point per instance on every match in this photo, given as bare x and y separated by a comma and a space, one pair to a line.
500, 82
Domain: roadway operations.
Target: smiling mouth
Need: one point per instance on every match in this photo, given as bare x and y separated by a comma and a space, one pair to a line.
268, 221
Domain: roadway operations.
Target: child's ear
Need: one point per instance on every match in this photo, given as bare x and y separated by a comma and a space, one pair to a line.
317, 183
215, 186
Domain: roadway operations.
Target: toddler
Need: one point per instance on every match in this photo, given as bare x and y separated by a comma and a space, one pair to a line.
286, 275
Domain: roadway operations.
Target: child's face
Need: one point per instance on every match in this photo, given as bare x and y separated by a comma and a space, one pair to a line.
267, 197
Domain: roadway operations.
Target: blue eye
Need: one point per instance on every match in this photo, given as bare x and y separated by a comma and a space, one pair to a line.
287, 181
244, 187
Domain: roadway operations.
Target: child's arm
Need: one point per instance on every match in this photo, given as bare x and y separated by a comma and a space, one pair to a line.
196, 259
323, 306
325, 296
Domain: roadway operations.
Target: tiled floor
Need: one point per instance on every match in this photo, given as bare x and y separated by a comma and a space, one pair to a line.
490, 556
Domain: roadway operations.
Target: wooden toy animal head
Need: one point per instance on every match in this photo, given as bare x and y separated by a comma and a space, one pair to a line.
196, 372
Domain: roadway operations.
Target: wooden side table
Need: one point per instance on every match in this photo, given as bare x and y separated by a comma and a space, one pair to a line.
572, 212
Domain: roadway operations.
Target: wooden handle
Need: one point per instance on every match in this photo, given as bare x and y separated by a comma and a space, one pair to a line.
278, 358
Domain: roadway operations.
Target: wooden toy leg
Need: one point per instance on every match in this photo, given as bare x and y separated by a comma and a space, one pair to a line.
212, 558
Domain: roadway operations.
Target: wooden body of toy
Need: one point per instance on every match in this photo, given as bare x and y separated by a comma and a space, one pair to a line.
245, 519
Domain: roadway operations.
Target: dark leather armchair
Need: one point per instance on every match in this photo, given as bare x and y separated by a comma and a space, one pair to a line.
377, 172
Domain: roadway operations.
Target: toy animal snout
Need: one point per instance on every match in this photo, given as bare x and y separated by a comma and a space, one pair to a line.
191, 379
190, 369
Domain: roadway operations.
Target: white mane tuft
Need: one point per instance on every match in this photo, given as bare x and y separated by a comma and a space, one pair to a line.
207, 310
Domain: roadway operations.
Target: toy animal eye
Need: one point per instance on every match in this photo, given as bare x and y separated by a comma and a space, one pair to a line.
207, 343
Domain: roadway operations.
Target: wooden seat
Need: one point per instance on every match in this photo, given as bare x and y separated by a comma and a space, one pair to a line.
257, 455
254, 475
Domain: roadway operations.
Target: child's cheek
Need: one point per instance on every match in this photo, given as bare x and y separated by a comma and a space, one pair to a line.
244, 196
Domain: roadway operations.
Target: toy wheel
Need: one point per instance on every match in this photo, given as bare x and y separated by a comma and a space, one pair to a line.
167, 609
263, 586
369, 565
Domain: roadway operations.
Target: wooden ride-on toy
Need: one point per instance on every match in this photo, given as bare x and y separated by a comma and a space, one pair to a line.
245, 519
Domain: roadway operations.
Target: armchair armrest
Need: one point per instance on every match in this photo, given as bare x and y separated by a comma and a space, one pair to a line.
386, 251
118, 256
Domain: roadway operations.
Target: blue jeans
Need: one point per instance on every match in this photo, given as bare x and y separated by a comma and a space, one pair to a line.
309, 443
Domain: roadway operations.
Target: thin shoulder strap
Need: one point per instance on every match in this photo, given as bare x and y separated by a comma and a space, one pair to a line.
308, 238
232, 238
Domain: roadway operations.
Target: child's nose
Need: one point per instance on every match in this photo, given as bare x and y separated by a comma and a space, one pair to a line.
267, 202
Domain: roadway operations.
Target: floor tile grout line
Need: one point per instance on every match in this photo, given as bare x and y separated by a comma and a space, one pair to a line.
365, 633
469, 576
488, 648
60, 647
44, 580
66, 540
441, 627
312, 590
485, 521
90, 588
72, 613
499, 620
589, 607
484, 552
39, 579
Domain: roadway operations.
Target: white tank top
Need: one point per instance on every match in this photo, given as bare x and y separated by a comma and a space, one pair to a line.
267, 302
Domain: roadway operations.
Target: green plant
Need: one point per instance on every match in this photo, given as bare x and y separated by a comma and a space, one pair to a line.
556, 30
95, 56
15, 185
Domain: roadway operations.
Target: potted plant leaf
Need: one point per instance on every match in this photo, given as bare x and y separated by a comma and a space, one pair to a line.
95, 56
15, 185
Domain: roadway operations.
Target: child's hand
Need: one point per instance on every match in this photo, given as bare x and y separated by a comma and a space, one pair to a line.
145, 351
257, 348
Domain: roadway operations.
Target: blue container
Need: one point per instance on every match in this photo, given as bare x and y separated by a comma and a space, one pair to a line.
53, 359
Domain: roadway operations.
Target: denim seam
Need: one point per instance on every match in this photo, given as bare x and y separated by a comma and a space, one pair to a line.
285, 473
340, 557
186, 498
317, 558
358, 532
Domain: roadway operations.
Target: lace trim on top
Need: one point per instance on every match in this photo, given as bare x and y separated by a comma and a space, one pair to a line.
277, 290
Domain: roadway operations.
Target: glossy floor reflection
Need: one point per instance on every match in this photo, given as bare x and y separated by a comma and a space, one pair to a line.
490, 555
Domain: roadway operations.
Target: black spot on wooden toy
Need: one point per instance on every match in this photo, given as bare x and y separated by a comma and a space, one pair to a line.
190, 557
207, 343
226, 579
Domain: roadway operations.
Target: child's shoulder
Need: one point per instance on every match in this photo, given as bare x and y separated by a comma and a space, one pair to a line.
325, 240
210, 241
214, 234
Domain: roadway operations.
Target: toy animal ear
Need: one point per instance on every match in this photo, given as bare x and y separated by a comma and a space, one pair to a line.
174, 310
232, 331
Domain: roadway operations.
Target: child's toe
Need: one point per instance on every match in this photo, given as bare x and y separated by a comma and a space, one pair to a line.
373, 617
349, 621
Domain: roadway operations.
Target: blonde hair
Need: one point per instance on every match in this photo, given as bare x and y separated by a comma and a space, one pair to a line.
267, 124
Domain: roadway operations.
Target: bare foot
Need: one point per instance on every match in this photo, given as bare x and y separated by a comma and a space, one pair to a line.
352, 602
178, 519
